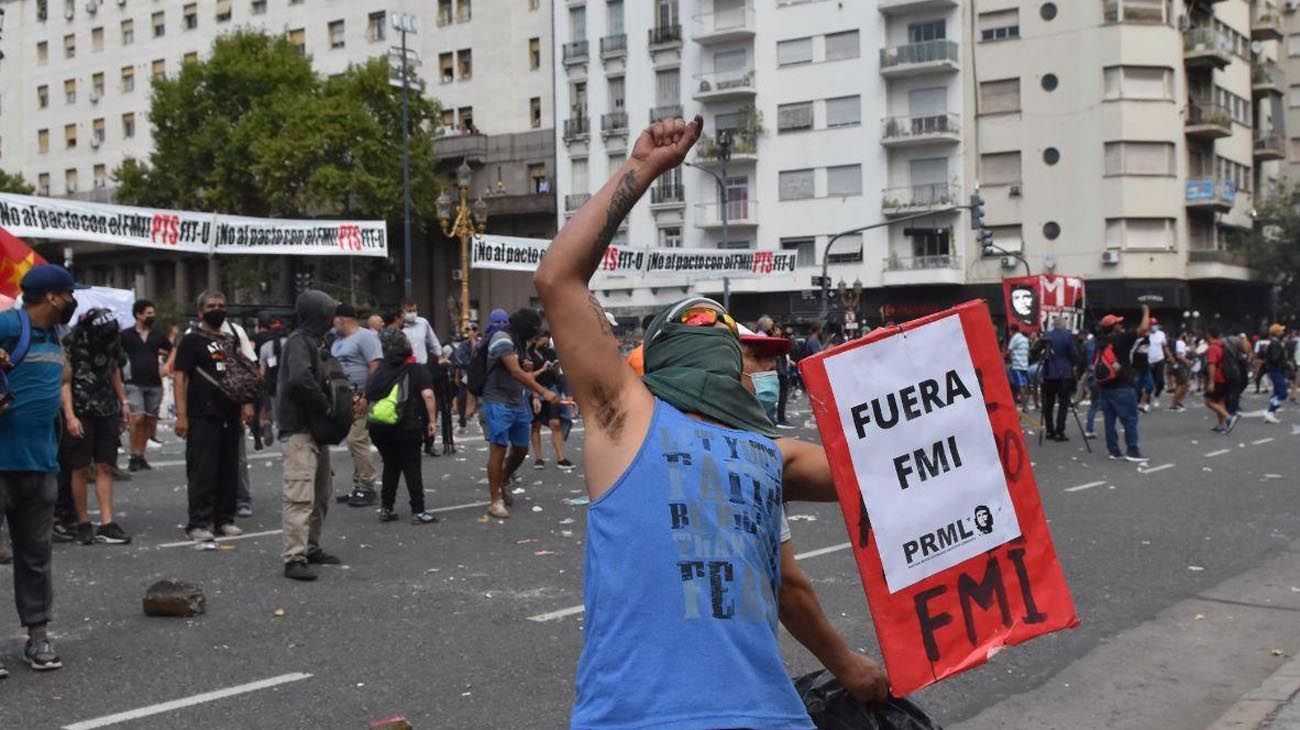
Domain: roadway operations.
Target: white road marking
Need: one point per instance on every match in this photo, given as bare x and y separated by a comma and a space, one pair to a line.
198, 699
245, 536
1220, 452
1082, 487
1257, 442
459, 506
1155, 469
551, 616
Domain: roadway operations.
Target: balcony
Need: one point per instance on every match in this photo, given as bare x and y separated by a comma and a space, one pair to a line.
1268, 146
1208, 121
919, 59
613, 123
613, 46
667, 195
1211, 194
900, 7
739, 213
911, 270
1266, 79
575, 53
1267, 27
471, 148
725, 86
910, 199
744, 149
574, 201
671, 111
664, 37
1215, 256
920, 130
736, 24
576, 129
1206, 48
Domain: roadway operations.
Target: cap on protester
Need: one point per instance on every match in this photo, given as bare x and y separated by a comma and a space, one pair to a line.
345, 310
46, 278
765, 345
613, 321
1111, 320
1276, 330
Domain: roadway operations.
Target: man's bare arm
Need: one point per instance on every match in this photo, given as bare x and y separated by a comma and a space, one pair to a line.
806, 476
526, 379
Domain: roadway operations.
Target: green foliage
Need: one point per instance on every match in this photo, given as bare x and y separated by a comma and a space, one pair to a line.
1272, 249
14, 184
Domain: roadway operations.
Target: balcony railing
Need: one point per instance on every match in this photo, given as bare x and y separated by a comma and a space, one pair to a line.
738, 213
667, 193
574, 201
910, 198
1266, 27
724, 25
671, 111
1213, 118
923, 263
920, 126
613, 122
1133, 13
928, 52
576, 127
576, 51
665, 35
1268, 145
1207, 46
1265, 76
613, 45
720, 84
742, 145
1211, 191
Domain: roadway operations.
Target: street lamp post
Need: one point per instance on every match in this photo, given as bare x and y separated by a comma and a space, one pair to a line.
404, 24
724, 154
470, 219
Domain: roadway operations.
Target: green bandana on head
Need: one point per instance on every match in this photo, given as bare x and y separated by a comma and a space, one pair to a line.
698, 370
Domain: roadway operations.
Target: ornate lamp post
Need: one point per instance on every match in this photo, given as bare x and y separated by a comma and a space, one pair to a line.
469, 220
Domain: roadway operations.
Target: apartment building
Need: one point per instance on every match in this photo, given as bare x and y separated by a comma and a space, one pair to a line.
75, 100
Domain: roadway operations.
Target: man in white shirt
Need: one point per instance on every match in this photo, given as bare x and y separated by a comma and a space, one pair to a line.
424, 343
1157, 352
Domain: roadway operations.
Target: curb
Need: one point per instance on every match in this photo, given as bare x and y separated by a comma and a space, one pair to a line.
1255, 708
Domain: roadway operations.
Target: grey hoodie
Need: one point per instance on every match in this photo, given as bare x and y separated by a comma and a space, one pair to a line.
301, 395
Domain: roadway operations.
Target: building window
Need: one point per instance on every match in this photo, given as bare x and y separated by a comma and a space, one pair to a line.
534, 4
934, 30
70, 91
844, 180
259, 7
1000, 168
97, 130
534, 53
43, 53
795, 117
43, 141
670, 237
668, 87
128, 125
465, 64
446, 67
999, 97
70, 180
375, 23
844, 111
70, 46
1295, 149
42, 96
224, 12
1141, 233
70, 136
616, 95
96, 86
794, 51
97, 39
128, 32
850, 248
159, 22
444, 12
466, 114
999, 25
578, 22
336, 33
535, 112
1293, 45
191, 57
1134, 11
578, 180
158, 70
796, 184
101, 176
805, 250
1138, 82
929, 242
190, 14
128, 79
537, 181
298, 39
840, 46
1140, 158
463, 13
43, 183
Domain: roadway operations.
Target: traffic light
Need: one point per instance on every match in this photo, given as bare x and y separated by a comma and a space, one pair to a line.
976, 212
985, 238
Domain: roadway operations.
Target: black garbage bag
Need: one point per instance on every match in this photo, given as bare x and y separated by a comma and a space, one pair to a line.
833, 708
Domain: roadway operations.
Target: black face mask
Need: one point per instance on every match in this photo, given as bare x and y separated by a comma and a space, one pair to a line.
214, 318
69, 309
147, 321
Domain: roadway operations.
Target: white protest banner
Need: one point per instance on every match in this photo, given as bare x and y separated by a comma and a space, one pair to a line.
717, 263
119, 301
524, 254
29, 216
921, 445
237, 234
507, 253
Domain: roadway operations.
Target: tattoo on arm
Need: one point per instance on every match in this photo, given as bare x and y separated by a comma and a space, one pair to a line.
620, 204
599, 311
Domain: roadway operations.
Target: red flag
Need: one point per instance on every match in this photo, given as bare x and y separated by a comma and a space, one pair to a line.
16, 258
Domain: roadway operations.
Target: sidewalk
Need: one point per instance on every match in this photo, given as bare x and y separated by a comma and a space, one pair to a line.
1275, 705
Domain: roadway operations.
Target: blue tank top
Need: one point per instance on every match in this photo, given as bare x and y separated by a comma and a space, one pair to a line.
683, 568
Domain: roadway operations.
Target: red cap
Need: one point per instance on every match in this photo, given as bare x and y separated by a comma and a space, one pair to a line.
1111, 320
1155, 321
766, 346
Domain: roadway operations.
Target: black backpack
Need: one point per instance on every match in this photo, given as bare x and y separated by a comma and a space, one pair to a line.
1232, 364
331, 427
476, 373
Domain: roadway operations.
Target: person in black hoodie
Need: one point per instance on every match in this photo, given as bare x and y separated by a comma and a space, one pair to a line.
402, 412
307, 485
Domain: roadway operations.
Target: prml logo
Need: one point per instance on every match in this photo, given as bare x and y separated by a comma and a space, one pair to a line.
949, 536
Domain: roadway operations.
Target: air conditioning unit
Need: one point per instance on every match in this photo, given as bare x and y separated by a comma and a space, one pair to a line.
1009, 262
94, 97
1110, 257
1014, 191
1292, 5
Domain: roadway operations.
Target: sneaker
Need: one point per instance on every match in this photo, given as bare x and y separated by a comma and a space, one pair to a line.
320, 557
1144, 408
244, 510
230, 529
61, 533
86, 533
40, 656
1271, 417
1114, 457
1218, 429
423, 518
1177, 409
1089, 435
539, 464
199, 534
498, 510
133, 463
565, 464
362, 498
257, 442
299, 570
1061, 438
153, 444
1135, 456
1232, 422
387, 515
112, 534
785, 426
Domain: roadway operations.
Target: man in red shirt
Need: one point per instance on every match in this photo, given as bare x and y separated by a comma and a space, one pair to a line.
1216, 396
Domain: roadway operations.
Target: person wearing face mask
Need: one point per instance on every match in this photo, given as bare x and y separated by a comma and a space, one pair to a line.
210, 423
424, 344
33, 371
144, 346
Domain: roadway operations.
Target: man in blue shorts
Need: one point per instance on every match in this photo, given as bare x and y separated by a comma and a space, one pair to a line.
1018, 350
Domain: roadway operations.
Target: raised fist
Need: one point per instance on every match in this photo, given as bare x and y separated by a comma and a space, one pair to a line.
664, 144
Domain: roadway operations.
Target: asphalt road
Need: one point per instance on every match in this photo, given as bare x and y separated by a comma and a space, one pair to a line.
471, 624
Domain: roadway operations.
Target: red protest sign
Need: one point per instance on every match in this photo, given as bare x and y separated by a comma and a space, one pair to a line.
1033, 301
938, 495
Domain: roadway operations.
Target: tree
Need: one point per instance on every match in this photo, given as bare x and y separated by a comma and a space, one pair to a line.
1273, 250
14, 183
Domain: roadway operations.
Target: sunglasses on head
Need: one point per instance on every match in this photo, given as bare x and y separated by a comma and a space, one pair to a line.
708, 317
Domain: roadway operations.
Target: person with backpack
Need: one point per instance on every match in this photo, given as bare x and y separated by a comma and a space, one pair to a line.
33, 371
210, 416
315, 413
401, 410
1222, 370
268, 362
498, 380
1116, 378
1275, 365
1058, 378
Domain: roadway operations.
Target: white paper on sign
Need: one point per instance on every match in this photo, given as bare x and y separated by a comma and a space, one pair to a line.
923, 450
